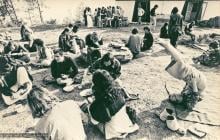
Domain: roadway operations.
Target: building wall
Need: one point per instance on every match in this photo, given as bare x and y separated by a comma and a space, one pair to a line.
66, 11
165, 7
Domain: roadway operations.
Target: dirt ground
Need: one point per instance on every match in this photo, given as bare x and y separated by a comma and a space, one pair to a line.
145, 76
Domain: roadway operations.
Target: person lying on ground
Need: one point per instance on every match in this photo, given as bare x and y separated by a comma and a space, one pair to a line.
148, 39
63, 68
194, 79
26, 33
108, 63
17, 51
93, 43
59, 120
108, 111
134, 43
189, 31
45, 54
211, 57
164, 31
15, 85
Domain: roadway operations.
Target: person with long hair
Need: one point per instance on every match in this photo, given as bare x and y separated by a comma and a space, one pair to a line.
189, 30
175, 26
45, 54
15, 85
59, 120
195, 80
134, 43
108, 111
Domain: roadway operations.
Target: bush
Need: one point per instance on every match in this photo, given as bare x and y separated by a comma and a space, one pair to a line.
52, 22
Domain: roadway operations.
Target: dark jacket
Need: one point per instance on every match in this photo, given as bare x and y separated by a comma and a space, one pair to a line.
107, 103
68, 67
114, 69
175, 23
148, 41
64, 42
164, 32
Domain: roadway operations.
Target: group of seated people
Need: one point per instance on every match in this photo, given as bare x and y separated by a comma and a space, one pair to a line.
108, 110
136, 44
211, 57
112, 16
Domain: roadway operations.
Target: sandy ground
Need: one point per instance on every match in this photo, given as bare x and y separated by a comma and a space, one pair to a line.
145, 76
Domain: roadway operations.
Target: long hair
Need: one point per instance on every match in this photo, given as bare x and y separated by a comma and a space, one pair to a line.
102, 81
37, 103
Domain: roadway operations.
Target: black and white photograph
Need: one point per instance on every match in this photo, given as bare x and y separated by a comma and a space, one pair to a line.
109, 69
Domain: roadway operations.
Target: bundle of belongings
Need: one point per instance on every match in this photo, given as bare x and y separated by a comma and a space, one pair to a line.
212, 22
211, 57
120, 52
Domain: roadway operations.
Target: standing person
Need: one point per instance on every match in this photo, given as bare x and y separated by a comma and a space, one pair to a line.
95, 17
194, 79
164, 31
89, 18
140, 13
99, 19
115, 20
85, 16
109, 16
175, 26
63, 69
189, 31
153, 16
134, 43
148, 39
108, 112
59, 120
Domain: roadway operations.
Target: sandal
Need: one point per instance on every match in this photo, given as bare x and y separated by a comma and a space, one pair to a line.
196, 132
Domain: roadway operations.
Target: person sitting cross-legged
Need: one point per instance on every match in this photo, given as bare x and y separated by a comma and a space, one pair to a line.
164, 31
63, 68
93, 43
108, 111
16, 51
45, 54
134, 43
148, 39
109, 63
189, 31
113, 66
15, 85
